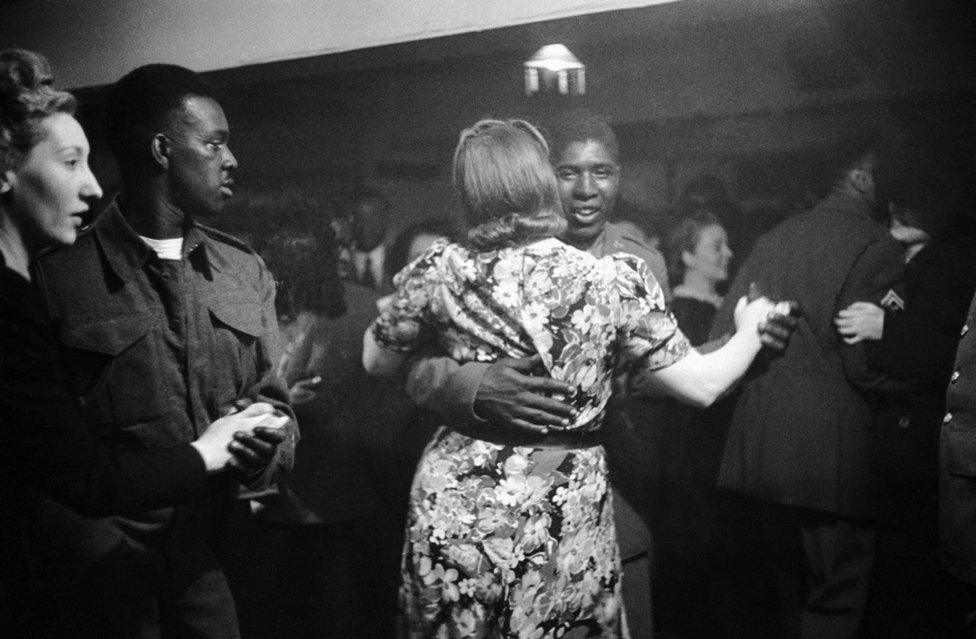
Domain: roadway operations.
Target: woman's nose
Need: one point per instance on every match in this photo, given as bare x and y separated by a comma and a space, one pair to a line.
90, 187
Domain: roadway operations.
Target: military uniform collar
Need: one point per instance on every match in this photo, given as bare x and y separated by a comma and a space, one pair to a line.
610, 241
126, 253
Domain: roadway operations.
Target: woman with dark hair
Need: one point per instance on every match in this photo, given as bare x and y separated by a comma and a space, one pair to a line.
687, 507
411, 242
417, 237
698, 257
330, 540
513, 535
50, 455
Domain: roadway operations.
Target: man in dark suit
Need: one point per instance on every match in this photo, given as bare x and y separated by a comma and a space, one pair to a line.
798, 440
363, 229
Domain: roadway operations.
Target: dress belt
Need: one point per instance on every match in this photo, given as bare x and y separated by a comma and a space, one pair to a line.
554, 439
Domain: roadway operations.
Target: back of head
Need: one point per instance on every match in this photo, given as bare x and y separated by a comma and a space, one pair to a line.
858, 150
26, 97
579, 126
507, 187
365, 194
930, 181
143, 103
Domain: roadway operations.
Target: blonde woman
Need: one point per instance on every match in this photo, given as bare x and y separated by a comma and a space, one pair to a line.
513, 535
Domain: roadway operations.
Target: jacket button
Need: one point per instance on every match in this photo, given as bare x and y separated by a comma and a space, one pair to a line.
904, 422
955, 377
965, 329
947, 418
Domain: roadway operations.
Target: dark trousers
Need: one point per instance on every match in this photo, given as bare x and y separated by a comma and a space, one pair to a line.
324, 581
112, 577
633, 457
636, 555
822, 564
911, 594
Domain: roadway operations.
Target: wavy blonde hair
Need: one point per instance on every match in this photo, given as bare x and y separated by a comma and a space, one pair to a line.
27, 96
506, 184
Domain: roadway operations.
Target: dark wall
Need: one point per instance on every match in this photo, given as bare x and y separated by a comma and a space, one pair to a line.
756, 99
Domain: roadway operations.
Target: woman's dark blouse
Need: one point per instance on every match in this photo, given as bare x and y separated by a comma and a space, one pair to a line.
694, 318
45, 443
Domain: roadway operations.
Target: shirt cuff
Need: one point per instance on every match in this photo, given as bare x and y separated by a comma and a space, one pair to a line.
469, 381
185, 471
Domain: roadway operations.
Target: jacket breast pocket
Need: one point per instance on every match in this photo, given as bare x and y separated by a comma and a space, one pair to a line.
237, 327
95, 354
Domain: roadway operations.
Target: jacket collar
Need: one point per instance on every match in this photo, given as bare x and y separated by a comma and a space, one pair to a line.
610, 240
126, 253
842, 199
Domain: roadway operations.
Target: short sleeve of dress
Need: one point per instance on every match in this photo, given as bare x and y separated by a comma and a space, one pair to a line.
402, 326
646, 327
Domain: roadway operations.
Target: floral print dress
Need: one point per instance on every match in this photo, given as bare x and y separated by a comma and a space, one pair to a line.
517, 541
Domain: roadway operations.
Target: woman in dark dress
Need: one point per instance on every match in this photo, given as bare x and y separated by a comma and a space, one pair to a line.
689, 511
698, 262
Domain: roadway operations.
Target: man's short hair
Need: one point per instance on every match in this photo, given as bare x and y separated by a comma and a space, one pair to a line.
367, 194
930, 179
580, 126
855, 150
142, 103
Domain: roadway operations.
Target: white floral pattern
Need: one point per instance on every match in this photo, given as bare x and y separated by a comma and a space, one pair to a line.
514, 541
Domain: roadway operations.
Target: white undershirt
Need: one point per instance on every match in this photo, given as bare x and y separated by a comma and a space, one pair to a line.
376, 259
168, 249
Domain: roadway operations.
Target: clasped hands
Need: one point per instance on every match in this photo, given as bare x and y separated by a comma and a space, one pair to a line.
243, 441
775, 331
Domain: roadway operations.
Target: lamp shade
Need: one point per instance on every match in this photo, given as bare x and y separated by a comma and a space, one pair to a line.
555, 67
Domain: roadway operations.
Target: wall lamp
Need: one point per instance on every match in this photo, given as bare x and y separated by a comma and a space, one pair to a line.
554, 67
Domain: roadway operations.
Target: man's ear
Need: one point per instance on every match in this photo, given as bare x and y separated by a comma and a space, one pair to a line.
862, 179
6, 180
160, 149
687, 258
